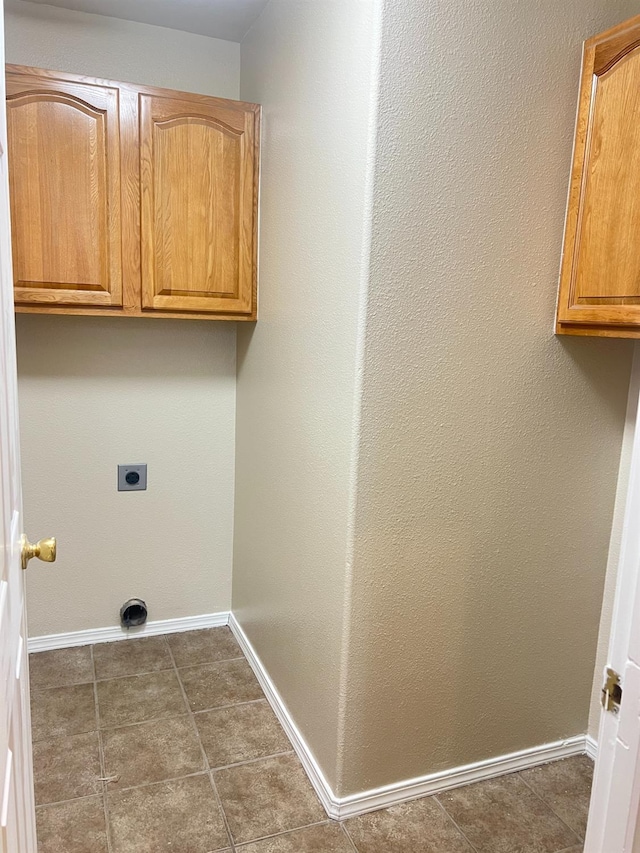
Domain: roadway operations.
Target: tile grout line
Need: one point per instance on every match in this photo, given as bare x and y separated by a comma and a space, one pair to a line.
162, 781
242, 844
210, 662
144, 722
36, 689
63, 737
103, 771
450, 818
202, 749
112, 728
174, 666
133, 674
345, 831
216, 794
551, 809
178, 778
66, 802
231, 705
179, 716
252, 761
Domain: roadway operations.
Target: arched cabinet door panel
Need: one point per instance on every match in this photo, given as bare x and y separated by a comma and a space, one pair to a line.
64, 175
198, 179
600, 276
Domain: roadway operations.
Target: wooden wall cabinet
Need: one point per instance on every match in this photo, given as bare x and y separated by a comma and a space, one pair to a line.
600, 276
130, 200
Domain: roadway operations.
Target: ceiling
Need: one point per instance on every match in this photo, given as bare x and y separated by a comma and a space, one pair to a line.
224, 19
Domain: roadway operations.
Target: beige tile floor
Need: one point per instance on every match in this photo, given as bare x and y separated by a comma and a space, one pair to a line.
167, 744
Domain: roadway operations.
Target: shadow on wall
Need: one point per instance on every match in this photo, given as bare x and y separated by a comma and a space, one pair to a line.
245, 334
96, 348
592, 357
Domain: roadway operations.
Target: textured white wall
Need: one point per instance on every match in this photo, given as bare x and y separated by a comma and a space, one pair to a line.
310, 66
489, 447
95, 392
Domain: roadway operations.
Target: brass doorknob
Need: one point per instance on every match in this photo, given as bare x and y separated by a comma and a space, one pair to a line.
44, 549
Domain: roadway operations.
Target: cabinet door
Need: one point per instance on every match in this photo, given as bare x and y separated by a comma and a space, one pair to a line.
64, 173
198, 179
600, 281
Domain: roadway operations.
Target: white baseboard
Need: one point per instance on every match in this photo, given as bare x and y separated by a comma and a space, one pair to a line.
117, 632
434, 783
311, 766
591, 747
339, 808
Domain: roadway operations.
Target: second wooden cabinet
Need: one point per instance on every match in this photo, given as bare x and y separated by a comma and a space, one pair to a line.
600, 278
131, 200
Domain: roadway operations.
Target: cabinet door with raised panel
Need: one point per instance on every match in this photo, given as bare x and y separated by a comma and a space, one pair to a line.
600, 280
64, 174
198, 174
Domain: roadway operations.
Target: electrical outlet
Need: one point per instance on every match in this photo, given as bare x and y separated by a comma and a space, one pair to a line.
132, 478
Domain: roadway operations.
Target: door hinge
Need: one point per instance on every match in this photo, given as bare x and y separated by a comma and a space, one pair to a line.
611, 692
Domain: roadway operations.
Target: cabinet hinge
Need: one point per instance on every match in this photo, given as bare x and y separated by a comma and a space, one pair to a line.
611, 692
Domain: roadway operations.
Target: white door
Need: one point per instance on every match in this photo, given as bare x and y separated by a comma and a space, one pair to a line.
17, 812
613, 817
